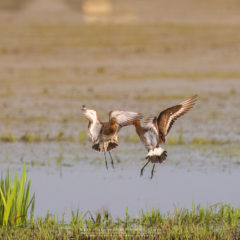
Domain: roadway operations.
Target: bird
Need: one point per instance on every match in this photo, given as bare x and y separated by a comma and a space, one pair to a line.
156, 129
104, 135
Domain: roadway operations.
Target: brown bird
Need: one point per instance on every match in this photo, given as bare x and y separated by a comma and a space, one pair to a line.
104, 135
156, 129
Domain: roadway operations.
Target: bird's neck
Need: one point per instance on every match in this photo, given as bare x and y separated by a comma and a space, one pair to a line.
138, 127
92, 121
112, 126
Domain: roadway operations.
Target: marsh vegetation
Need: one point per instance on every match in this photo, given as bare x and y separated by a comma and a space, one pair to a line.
15, 200
215, 222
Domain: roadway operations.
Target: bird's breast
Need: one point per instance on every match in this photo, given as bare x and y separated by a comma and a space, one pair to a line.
110, 129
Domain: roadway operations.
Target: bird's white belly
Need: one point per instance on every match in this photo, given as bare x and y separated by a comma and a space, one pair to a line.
151, 138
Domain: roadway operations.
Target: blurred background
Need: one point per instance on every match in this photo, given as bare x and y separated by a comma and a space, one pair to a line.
56, 55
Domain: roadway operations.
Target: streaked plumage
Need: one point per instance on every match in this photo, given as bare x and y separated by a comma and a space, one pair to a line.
104, 135
156, 129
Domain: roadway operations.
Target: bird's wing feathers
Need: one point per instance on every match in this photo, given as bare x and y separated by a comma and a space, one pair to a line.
94, 126
167, 117
148, 120
124, 118
91, 115
94, 130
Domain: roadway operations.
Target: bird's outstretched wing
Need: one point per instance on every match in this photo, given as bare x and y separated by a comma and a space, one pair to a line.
90, 114
94, 126
167, 117
124, 118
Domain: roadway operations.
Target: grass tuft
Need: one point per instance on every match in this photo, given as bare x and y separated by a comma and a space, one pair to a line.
100, 69
131, 138
82, 137
8, 137
15, 200
176, 140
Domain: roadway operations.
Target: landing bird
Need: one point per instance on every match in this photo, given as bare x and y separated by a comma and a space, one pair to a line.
156, 129
104, 135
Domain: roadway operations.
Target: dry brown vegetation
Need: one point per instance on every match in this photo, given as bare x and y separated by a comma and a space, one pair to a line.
6, 5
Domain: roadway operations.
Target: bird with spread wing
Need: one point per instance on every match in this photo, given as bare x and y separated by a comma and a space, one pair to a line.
104, 135
156, 129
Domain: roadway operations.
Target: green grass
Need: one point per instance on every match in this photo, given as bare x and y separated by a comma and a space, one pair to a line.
199, 141
82, 138
130, 138
208, 141
176, 140
8, 137
35, 163
29, 137
214, 222
100, 69
59, 159
15, 200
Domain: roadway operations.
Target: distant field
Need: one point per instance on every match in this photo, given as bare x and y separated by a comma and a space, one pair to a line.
48, 70
218, 11
6, 5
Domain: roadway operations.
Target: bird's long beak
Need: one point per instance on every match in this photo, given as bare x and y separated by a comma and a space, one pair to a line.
84, 108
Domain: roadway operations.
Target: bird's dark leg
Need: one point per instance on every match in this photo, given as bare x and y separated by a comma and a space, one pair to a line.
152, 172
111, 159
141, 173
105, 159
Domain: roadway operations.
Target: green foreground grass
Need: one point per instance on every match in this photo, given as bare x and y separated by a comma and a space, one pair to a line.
15, 200
215, 222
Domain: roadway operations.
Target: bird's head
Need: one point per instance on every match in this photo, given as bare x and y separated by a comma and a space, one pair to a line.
84, 108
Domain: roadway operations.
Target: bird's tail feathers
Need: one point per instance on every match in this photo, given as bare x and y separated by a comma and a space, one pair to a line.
111, 146
157, 155
96, 147
104, 146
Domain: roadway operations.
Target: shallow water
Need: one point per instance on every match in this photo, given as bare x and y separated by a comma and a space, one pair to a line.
68, 176
90, 188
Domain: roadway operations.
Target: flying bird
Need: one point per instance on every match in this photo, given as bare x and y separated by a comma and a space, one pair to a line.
104, 135
156, 129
